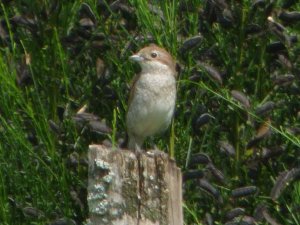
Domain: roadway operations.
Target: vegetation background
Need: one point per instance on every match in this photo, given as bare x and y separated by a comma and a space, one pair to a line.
236, 128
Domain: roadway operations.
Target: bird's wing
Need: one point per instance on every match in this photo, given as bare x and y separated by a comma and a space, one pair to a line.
132, 88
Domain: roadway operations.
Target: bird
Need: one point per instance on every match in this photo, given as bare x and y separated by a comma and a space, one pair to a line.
152, 95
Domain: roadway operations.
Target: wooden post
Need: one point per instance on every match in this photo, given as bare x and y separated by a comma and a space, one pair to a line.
126, 189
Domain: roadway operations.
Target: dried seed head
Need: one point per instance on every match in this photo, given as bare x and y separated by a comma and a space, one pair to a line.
283, 180
227, 148
241, 98
244, 191
190, 44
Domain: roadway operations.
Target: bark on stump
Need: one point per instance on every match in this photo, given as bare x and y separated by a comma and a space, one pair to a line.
126, 189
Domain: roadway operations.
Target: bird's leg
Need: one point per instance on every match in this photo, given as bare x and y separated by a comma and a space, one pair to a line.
155, 150
137, 150
135, 143
152, 143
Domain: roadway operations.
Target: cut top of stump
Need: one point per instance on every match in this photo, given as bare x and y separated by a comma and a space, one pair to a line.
129, 189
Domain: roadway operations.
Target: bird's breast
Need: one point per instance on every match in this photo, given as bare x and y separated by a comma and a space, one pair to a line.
153, 103
159, 85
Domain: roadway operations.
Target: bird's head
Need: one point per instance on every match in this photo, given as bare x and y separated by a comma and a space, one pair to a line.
153, 58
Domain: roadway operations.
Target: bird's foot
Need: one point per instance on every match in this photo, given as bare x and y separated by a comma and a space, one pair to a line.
137, 150
155, 152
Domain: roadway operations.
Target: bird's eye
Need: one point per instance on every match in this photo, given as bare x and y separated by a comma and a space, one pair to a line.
153, 54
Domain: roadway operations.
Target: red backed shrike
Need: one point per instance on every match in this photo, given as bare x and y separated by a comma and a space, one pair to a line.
152, 95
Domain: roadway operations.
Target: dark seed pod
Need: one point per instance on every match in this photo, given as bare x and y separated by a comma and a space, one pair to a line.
190, 43
32, 212
253, 142
141, 38
227, 148
12, 202
86, 11
280, 31
75, 198
179, 68
227, 14
107, 143
284, 61
253, 167
249, 220
271, 153
209, 219
290, 17
54, 127
235, 213
129, 46
192, 174
244, 191
73, 160
6, 1
265, 108
24, 21
225, 18
269, 8
100, 68
24, 77
292, 90
195, 77
98, 36
186, 7
86, 23
83, 33
205, 185
279, 46
233, 223
63, 221
202, 120
157, 11
127, 11
275, 47
283, 180
209, 12
212, 72
258, 212
91, 121
122, 142
263, 131
99, 127
258, 3
275, 26
4, 35
84, 162
253, 29
221, 4
288, 3
242, 220
216, 173
241, 98
199, 158
269, 218
284, 80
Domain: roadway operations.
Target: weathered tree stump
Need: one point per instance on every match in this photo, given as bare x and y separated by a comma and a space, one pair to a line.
129, 189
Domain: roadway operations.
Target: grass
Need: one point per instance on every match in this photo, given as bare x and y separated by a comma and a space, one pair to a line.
49, 69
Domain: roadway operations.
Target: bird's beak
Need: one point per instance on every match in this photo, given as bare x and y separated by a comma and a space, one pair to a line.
136, 58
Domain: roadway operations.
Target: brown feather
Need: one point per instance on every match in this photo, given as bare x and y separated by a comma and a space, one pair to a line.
132, 88
165, 58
